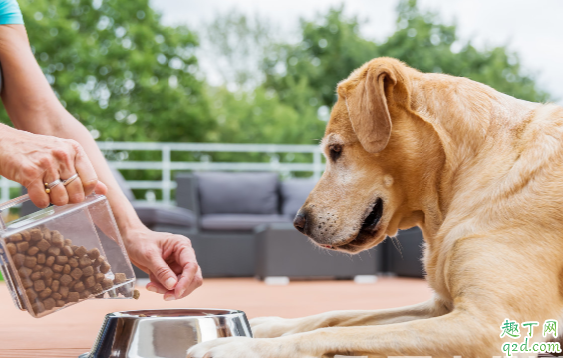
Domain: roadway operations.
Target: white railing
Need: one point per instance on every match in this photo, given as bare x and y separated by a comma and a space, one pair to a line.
166, 165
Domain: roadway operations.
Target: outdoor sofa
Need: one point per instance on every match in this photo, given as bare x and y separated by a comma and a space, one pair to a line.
244, 228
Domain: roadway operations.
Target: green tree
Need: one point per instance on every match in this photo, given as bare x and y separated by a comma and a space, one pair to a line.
333, 47
118, 69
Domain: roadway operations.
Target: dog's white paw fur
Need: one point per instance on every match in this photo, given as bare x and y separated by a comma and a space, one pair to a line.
233, 347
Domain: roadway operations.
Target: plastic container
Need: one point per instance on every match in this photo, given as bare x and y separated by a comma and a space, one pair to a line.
62, 255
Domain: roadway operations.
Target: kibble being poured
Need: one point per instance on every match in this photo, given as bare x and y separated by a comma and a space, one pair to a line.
54, 272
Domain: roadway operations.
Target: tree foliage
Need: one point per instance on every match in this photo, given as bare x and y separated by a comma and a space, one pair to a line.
118, 69
301, 76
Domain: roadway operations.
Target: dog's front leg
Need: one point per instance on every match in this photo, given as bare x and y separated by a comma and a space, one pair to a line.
458, 333
270, 327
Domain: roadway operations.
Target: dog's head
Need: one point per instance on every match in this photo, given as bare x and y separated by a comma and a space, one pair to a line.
372, 136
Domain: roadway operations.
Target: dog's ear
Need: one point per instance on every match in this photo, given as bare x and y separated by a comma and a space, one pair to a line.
368, 107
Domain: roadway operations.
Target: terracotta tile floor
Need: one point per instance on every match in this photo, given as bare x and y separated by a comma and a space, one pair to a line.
72, 331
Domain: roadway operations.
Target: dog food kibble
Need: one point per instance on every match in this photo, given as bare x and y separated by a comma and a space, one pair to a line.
54, 251
136, 294
45, 293
54, 272
49, 303
27, 283
66, 280
104, 267
47, 272
50, 261
81, 251
94, 254
88, 271
35, 235
85, 294
76, 273
63, 290
57, 239
24, 272
97, 288
31, 294
38, 307
43, 245
22, 246
107, 283
73, 297
119, 278
33, 251
30, 262
56, 285
79, 287
35, 276
39, 285
89, 282
67, 250
18, 259
12, 250
84, 261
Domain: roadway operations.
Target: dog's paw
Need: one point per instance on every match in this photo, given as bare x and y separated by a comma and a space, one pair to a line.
232, 347
269, 327
244, 347
272, 327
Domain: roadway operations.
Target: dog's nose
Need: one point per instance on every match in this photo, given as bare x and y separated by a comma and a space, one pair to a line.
300, 221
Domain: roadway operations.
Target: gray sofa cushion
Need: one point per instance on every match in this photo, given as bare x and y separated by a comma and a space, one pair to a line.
237, 193
238, 222
154, 214
294, 192
122, 184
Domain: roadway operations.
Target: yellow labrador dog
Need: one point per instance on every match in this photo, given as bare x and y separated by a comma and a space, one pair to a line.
479, 171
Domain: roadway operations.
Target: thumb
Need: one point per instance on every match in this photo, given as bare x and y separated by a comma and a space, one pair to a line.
101, 188
159, 268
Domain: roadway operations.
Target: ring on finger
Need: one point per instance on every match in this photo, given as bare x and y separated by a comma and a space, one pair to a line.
49, 186
70, 180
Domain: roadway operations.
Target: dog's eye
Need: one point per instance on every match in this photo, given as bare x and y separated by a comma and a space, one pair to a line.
335, 151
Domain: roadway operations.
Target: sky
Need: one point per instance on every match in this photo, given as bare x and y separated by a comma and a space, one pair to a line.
534, 30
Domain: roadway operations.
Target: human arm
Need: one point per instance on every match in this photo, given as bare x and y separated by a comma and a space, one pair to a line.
33, 107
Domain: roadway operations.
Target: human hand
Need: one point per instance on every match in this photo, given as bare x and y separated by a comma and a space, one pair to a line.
168, 259
33, 160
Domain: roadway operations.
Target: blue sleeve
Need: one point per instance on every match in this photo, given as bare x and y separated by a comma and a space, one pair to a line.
10, 13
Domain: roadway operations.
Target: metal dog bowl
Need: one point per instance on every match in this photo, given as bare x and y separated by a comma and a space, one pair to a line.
164, 333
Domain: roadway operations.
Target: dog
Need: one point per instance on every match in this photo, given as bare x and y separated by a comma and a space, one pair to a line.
480, 172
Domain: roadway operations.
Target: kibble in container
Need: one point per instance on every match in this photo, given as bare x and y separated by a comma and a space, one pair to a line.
63, 255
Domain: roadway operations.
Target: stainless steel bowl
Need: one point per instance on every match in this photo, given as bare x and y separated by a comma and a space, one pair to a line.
164, 333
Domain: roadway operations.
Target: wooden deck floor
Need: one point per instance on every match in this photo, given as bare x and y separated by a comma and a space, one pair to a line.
72, 331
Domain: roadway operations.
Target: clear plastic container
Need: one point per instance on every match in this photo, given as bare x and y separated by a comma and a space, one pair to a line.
63, 255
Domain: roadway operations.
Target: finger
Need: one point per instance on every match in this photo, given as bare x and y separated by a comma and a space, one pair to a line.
155, 286
75, 191
37, 194
84, 169
101, 188
163, 274
58, 195
189, 280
